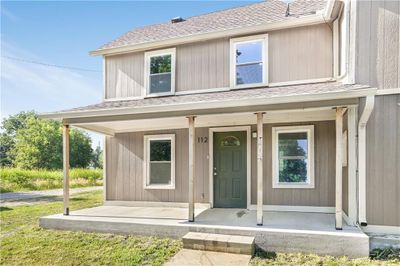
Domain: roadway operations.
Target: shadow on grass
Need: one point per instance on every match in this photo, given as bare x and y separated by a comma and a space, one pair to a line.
262, 254
2, 209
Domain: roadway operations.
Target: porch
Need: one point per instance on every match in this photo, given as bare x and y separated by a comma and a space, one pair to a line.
280, 232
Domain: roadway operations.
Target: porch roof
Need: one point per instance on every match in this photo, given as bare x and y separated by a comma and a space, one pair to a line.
195, 104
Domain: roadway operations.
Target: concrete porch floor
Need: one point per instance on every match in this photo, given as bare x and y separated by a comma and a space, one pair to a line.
281, 231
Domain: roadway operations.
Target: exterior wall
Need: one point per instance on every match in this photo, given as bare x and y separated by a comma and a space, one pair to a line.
383, 169
294, 54
378, 65
378, 43
323, 194
124, 160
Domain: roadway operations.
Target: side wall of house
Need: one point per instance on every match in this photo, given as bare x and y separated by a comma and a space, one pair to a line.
294, 54
378, 64
124, 160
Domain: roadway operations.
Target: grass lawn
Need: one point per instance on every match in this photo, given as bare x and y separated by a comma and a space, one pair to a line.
15, 179
24, 243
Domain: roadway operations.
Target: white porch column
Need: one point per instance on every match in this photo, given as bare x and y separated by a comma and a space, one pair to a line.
260, 161
66, 168
339, 168
352, 164
191, 167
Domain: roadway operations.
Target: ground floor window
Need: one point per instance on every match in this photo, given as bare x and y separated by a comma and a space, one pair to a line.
159, 156
293, 157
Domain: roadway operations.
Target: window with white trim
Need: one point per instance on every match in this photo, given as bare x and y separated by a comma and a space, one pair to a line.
249, 61
160, 72
293, 157
159, 155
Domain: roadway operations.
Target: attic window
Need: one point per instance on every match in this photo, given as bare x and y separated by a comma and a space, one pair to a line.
249, 61
160, 72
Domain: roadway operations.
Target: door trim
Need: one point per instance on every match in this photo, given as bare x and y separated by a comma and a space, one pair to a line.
211, 131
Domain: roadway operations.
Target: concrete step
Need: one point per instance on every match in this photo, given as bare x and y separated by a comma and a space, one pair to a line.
217, 242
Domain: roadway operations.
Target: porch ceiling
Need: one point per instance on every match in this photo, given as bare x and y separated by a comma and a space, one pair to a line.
236, 119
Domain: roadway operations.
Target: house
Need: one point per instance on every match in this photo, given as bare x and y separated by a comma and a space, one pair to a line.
271, 119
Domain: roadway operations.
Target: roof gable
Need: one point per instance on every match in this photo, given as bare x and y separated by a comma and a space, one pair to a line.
265, 12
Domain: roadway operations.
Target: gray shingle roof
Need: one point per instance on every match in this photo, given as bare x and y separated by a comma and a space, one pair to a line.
250, 15
215, 97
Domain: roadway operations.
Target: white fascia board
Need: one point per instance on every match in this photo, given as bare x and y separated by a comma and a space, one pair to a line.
193, 106
290, 23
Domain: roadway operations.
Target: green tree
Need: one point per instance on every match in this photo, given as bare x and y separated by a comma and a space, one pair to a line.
39, 145
9, 128
97, 158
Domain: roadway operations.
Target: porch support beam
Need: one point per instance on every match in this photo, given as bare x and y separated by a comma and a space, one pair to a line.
191, 166
260, 161
66, 169
339, 168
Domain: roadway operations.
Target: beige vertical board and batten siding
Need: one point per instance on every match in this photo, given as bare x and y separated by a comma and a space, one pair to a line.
378, 65
294, 54
125, 169
323, 195
125, 179
124, 75
378, 43
383, 168
300, 53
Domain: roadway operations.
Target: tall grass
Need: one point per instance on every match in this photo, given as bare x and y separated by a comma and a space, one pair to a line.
15, 179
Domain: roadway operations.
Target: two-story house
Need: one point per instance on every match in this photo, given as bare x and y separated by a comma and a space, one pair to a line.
271, 108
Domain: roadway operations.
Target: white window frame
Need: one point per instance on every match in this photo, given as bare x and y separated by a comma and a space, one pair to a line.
147, 57
146, 161
233, 43
309, 129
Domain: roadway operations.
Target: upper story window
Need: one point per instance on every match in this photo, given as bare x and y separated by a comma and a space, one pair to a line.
160, 72
293, 157
249, 61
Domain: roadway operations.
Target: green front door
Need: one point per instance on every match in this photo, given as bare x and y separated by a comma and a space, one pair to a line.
230, 169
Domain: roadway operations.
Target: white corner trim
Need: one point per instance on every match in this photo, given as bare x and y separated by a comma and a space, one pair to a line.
104, 168
309, 129
211, 159
381, 229
290, 208
263, 38
388, 91
362, 157
154, 204
146, 161
147, 57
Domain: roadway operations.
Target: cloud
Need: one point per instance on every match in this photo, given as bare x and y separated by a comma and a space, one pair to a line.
8, 14
27, 86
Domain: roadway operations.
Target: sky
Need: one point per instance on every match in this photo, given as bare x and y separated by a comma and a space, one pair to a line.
62, 34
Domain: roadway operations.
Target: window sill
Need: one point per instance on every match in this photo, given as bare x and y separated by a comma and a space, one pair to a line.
159, 95
289, 185
168, 187
249, 86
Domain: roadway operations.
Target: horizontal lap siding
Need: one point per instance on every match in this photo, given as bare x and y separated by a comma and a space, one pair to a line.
324, 192
125, 179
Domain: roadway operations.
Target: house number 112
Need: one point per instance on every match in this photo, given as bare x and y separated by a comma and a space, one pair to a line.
202, 139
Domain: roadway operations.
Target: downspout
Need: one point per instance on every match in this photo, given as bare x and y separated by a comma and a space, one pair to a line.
362, 157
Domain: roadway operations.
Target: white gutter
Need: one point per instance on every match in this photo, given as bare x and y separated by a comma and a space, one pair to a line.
362, 182
193, 106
